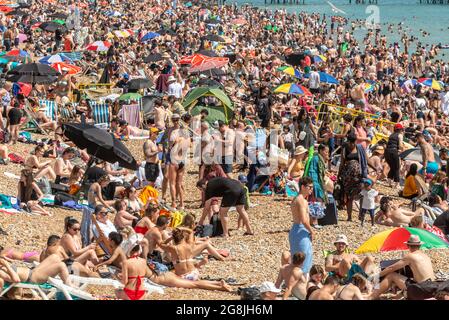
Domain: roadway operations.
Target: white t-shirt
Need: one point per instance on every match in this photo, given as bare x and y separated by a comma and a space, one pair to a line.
314, 80
175, 89
369, 198
107, 228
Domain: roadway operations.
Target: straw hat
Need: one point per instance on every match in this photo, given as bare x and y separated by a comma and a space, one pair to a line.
341, 238
166, 55
171, 79
414, 240
300, 150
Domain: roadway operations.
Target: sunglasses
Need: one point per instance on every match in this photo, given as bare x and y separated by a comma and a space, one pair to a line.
76, 229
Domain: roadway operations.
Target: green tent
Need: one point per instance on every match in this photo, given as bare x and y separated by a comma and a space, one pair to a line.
222, 112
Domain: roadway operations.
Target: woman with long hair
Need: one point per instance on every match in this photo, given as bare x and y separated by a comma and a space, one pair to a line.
411, 188
29, 193
40, 168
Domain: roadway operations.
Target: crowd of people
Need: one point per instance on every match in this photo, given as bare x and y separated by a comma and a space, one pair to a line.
328, 146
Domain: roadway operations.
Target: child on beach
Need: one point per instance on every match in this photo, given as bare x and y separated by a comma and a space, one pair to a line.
369, 198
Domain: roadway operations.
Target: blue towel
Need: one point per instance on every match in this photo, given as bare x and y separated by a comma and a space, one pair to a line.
72, 204
363, 161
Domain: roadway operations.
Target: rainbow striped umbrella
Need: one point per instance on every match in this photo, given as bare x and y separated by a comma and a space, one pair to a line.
292, 88
432, 83
369, 87
291, 71
394, 239
319, 58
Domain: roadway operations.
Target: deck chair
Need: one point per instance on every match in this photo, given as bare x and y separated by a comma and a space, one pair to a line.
100, 114
67, 113
85, 281
37, 290
50, 109
131, 114
70, 292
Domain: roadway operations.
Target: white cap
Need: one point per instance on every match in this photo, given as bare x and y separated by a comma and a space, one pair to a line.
268, 286
302, 135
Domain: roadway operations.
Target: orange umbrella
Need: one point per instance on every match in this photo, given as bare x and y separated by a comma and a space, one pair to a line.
69, 68
208, 63
194, 59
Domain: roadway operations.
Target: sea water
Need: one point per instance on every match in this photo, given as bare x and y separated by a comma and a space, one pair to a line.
414, 17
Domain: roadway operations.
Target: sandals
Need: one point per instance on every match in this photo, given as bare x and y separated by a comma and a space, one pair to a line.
248, 234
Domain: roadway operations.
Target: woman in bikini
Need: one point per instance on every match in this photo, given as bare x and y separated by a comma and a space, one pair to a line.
148, 221
95, 194
133, 203
40, 169
13, 254
134, 270
29, 194
71, 242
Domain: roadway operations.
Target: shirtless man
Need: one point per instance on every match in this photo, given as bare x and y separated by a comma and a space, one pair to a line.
340, 261
160, 115
301, 234
327, 291
419, 263
293, 277
153, 238
394, 216
151, 150
428, 156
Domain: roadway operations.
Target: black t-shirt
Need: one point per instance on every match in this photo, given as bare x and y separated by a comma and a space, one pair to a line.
442, 222
94, 173
218, 187
58, 35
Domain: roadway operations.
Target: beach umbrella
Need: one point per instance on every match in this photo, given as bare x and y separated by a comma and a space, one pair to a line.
5, 9
368, 87
100, 144
213, 37
99, 46
59, 21
292, 88
290, 71
238, 21
23, 5
207, 53
324, 77
319, 58
17, 13
22, 37
112, 14
210, 83
165, 31
36, 69
58, 15
410, 83
17, 59
208, 63
153, 58
121, 33
17, 52
394, 239
215, 72
139, 83
432, 83
295, 59
29, 78
192, 59
52, 26
69, 68
60, 57
149, 36
414, 154
130, 96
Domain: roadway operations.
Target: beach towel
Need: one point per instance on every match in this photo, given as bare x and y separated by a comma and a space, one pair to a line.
50, 107
148, 194
15, 158
131, 114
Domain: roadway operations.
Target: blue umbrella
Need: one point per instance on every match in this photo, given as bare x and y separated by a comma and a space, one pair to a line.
149, 36
55, 58
324, 77
112, 14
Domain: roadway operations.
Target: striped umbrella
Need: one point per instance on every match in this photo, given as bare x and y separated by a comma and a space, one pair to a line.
394, 239
291, 71
319, 58
121, 33
432, 83
60, 57
292, 88
17, 52
99, 46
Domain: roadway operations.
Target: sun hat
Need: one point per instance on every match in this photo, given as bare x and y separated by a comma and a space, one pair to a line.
176, 116
341, 238
154, 130
414, 240
166, 55
300, 150
268, 286
398, 126
171, 78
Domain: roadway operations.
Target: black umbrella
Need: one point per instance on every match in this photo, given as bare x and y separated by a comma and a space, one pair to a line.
17, 13
295, 58
148, 105
58, 15
24, 5
208, 53
153, 58
100, 144
210, 83
165, 31
210, 21
215, 72
52, 26
140, 83
213, 37
414, 154
28, 78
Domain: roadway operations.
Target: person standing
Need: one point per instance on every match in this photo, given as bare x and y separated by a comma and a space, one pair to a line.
301, 235
394, 145
151, 151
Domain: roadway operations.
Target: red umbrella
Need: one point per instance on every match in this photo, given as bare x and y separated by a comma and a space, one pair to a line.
209, 63
69, 68
25, 88
192, 60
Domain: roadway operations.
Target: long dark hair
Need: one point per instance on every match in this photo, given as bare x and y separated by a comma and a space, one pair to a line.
69, 222
413, 170
26, 187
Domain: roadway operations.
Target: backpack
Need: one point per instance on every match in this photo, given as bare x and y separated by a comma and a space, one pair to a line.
426, 289
217, 228
61, 197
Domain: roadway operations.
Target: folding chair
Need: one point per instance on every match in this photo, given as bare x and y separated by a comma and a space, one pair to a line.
100, 114
70, 292
50, 109
67, 114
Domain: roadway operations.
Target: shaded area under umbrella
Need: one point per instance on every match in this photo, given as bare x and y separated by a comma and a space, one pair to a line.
213, 37
207, 53
140, 83
28, 78
100, 144
153, 58
414, 154
52, 26
34, 73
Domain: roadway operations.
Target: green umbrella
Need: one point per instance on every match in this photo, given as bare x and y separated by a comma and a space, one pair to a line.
61, 22
130, 96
